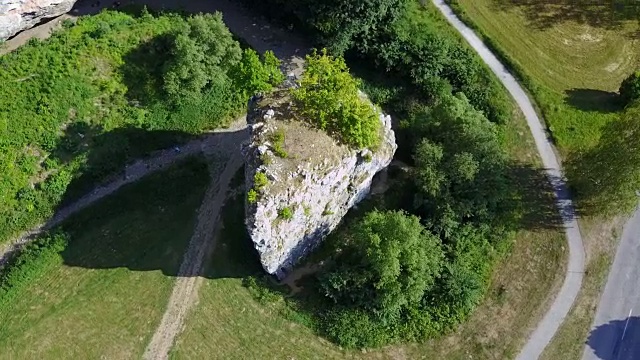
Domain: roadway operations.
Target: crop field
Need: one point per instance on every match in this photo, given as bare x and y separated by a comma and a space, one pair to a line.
104, 294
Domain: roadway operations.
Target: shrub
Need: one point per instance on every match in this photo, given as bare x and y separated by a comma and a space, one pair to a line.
328, 98
285, 213
253, 76
32, 261
252, 196
277, 143
630, 88
260, 180
203, 49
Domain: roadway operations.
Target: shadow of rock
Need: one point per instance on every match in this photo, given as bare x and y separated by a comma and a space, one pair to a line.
615, 340
117, 243
593, 100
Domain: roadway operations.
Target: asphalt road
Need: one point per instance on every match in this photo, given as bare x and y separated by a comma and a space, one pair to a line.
615, 334
554, 317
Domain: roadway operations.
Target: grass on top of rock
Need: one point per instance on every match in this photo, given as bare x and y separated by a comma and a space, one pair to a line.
109, 88
328, 98
97, 286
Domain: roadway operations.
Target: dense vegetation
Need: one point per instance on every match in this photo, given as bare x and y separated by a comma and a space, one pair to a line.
385, 35
328, 98
459, 203
108, 88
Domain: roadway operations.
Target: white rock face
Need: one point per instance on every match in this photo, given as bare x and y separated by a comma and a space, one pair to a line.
319, 182
18, 15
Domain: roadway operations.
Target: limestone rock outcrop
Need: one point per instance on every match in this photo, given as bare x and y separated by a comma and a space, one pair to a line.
18, 15
310, 186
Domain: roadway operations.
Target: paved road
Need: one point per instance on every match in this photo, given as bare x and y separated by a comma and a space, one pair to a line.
615, 334
554, 317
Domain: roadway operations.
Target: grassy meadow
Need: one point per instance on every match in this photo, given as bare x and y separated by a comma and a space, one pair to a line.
104, 294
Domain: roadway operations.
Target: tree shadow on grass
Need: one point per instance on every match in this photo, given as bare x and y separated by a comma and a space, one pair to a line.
616, 340
593, 100
535, 195
549, 13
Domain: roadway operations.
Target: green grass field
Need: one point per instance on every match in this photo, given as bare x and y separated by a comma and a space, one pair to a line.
107, 291
572, 59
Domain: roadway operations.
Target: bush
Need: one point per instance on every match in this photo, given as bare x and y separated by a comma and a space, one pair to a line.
35, 259
253, 76
252, 196
202, 51
285, 213
277, 143
328, 98
260, 181
630, 88
388, 264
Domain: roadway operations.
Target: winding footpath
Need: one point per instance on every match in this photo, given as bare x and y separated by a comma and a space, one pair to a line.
554, 317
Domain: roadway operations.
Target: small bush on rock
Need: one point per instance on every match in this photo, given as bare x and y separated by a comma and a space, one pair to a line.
285, 213
260, 180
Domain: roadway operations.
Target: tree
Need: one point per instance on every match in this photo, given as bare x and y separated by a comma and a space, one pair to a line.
607, 177
390, 261
344, 24
252, 75
202, 51
328, 97
630, 88
460, 167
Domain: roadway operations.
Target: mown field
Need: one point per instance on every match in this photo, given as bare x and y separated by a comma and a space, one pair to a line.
104, 293
572, 58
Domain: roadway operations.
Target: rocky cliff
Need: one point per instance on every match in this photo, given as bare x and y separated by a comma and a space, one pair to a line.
18, 15
301, 181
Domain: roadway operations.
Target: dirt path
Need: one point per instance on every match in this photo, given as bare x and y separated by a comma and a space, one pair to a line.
555, 315
185, 290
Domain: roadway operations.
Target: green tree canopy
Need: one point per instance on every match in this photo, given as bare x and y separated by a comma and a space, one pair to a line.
344, 24
460, 166
390, 263
202, 51
630, 88
328, 97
